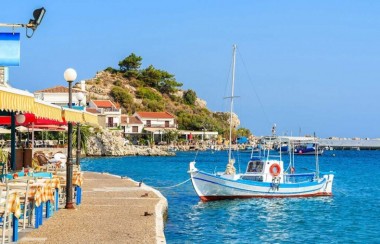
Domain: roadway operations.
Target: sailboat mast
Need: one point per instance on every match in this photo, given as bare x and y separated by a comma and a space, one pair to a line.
232, 98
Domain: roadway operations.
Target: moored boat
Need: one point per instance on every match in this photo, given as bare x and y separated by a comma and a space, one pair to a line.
264, 176
308, 149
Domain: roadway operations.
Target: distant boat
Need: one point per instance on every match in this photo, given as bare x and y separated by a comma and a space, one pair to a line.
249, 149
265, 176
283, 149
308, 149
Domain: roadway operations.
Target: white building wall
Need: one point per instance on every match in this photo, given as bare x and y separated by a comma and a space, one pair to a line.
158, 122
128, 129
59, 98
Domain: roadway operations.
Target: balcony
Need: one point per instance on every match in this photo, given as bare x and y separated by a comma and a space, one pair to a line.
112, 125
160, 126
111, 110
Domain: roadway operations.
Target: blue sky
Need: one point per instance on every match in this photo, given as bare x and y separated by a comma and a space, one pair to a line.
308, 66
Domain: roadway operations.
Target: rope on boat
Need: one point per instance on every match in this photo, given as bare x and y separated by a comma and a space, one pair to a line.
175, 185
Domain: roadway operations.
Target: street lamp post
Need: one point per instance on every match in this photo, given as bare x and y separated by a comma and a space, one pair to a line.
80, 97
70, 75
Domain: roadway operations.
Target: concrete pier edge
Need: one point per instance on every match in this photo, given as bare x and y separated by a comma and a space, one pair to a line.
161, 208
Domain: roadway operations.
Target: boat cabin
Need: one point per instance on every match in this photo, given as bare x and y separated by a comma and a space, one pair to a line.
263, 170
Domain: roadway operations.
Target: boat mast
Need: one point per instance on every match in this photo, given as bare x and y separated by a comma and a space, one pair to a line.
232, 98
316, 159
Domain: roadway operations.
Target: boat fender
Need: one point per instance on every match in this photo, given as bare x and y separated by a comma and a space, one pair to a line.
275, 170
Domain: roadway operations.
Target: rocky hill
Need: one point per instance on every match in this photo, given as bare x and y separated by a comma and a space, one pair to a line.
135, 93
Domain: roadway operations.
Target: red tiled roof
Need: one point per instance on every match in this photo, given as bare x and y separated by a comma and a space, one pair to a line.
104, 104
156, 115
58, 89
132, 120
92, 110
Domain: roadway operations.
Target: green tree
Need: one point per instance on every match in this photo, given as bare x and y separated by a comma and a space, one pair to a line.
159, 79
148, 93
189, 97
150, 76
122, 96
154, 106
171, 135
243, 132
111, 70
84, 135
130, 63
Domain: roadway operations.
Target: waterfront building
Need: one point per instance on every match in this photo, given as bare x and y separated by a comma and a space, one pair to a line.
58, 95
131, 125
109, 114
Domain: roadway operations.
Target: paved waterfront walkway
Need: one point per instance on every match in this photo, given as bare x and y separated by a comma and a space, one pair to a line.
113, 210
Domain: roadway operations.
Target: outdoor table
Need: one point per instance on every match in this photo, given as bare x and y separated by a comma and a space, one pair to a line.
14, 207
41, 192
77, 183
36, 195
56, 185
51, 192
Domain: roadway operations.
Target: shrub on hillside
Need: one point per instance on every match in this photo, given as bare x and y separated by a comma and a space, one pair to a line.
154, 106
118, 83
189, 97
111, 70
148, 93
121, 96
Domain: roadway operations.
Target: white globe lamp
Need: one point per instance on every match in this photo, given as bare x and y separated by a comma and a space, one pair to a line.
70, 74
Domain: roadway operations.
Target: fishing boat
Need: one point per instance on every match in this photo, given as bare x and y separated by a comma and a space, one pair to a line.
265, 175
308, 149
283, 148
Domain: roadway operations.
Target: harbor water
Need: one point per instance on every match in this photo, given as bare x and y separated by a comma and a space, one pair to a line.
351, 215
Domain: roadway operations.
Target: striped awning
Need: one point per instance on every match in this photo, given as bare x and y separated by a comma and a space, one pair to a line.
15, 100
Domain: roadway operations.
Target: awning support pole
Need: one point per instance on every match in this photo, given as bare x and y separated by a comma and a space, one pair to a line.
13, 141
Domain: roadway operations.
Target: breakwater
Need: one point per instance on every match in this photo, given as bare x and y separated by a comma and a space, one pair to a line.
350, 144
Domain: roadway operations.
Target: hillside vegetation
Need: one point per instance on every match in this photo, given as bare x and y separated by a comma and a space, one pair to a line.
152, 89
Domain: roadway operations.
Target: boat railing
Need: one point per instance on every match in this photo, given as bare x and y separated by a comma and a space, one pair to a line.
253, 177
298, 178
287, 178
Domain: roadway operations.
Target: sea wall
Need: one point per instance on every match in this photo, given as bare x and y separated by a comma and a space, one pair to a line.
111, 143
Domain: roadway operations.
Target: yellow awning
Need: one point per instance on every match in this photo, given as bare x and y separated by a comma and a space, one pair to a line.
90, 118
46, 110
15, 100
82, 117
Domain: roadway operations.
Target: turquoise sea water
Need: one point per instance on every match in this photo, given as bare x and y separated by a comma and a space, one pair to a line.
352, 215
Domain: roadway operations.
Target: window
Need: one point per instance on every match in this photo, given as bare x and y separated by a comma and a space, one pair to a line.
148, 123
255, 167
135, 129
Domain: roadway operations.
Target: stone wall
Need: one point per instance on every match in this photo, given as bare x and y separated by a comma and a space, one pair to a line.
111, 143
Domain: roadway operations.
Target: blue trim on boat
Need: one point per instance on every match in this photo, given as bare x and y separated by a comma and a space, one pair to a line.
268, 192
266, 184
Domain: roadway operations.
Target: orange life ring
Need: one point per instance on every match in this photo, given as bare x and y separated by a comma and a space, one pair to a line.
275, 169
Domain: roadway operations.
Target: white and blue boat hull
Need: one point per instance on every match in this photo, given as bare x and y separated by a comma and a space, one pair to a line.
217, 187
